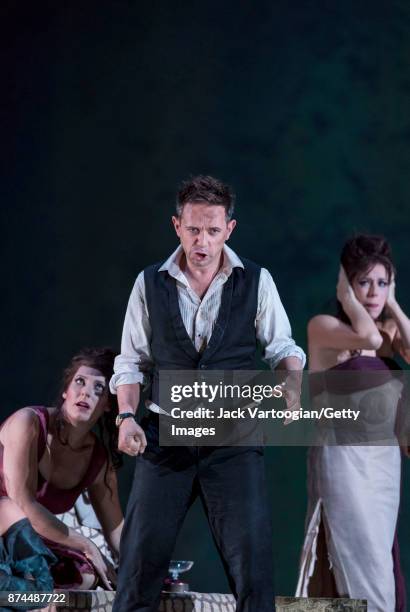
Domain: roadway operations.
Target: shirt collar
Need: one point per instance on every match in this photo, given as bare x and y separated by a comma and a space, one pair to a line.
171, 265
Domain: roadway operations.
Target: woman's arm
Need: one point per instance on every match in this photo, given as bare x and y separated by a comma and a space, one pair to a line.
106, 504
20, 468
326, 331
401, 340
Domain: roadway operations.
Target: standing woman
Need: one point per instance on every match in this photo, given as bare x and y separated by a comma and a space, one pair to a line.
354, 491
48, 456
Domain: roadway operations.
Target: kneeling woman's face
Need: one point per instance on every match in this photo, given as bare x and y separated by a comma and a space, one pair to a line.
86, 397
371, 289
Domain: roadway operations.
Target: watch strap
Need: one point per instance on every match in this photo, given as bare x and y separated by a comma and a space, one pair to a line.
123, 415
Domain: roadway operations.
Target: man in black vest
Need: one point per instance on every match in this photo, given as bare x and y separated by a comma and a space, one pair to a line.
203, 308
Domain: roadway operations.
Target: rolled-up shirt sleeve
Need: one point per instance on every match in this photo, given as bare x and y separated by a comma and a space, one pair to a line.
273, 329
135, 361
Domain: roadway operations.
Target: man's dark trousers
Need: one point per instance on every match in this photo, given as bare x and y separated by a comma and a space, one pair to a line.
231, 484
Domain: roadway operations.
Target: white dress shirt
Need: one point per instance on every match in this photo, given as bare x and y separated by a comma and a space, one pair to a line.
199, 316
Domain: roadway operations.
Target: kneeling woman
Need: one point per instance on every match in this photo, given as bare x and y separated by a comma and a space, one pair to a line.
48, 456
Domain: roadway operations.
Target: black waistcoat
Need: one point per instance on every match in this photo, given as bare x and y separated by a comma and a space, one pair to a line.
232, 345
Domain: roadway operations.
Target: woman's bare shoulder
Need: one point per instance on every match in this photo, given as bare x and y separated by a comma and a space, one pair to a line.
23, 423
323, 318
325, 350
23, 416
322, 321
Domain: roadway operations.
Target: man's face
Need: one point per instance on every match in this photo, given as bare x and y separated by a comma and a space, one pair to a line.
203, 230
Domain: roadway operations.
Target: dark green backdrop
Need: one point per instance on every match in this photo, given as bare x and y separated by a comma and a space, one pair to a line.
303, 106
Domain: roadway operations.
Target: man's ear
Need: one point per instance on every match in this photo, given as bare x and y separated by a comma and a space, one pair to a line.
64, 395
231, 226
177, 224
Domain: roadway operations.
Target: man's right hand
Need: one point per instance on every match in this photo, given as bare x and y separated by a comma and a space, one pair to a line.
131, 438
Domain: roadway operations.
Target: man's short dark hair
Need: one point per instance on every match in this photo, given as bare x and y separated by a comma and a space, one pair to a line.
206, 190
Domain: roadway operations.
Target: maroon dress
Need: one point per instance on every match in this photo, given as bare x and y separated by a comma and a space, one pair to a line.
71, 564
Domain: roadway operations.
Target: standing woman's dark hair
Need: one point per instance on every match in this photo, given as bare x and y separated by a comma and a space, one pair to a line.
101, 359
359, 254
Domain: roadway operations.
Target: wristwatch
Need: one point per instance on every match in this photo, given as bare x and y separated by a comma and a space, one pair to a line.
123, 415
